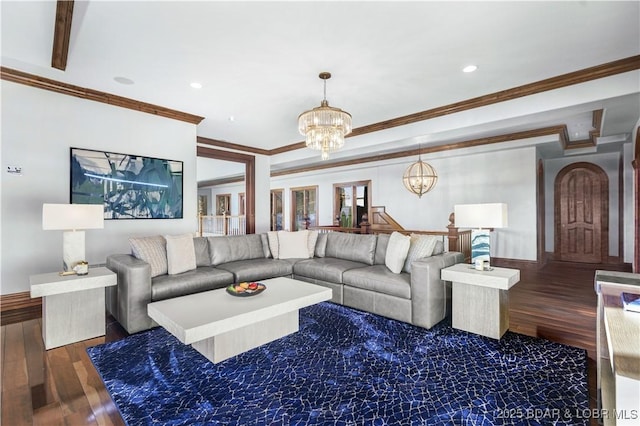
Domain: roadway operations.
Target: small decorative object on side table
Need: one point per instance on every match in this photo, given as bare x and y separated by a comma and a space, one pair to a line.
480, 299
73, 307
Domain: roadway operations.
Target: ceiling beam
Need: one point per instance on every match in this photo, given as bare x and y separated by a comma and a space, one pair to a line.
62, 34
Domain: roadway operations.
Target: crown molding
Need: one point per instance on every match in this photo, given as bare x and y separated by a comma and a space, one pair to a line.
509, 137
32, 80
229, 145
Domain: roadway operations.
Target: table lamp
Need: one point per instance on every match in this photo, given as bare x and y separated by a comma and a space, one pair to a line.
73, 219
481, 218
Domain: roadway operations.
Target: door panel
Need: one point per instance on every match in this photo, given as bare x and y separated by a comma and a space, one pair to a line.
581, 214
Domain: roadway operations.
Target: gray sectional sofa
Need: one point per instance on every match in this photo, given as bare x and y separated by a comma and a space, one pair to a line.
352, 265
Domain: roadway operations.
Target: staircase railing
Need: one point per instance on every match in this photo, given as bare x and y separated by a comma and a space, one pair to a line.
222, 225
453, 238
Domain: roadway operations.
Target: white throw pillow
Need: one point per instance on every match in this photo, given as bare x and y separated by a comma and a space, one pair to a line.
421, 246
181, 253
152, 250
397, 251
272, 236
293, 245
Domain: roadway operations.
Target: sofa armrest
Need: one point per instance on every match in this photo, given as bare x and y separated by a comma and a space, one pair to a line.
429, 294
133, 292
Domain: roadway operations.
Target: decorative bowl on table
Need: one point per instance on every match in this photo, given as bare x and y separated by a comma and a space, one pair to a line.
246, 289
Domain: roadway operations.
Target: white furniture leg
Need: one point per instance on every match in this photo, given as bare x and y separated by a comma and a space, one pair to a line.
232, 343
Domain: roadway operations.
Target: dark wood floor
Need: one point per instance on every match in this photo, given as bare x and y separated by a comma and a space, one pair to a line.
61, 386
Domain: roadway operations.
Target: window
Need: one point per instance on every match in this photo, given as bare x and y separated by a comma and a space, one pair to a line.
276, 210
304, 207
351, 202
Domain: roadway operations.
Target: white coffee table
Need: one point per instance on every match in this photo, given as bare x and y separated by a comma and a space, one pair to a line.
220, 326
480, 299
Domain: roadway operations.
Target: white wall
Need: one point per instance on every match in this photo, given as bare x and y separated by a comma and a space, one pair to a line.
263, 194
38, 128
501, 176
610, 163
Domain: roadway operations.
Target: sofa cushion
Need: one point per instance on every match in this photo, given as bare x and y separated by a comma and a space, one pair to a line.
354, 247
321, 245
381, 249
258, 269
421, 246
234, 248
201, 246
293, 245
265, 245
397, 250
200, 279
380, 279
325, 268
152, 250
181, 254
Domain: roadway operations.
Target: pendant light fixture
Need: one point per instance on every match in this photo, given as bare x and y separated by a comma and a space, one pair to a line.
325, 127
420, 177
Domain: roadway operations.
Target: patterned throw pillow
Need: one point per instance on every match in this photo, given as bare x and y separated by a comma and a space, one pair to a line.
311, 243
421, 246
272, 236
397, 251
152, 250
439, 248
181, 253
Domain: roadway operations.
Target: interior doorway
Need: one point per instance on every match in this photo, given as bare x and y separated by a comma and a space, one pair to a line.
581, 214
249, 178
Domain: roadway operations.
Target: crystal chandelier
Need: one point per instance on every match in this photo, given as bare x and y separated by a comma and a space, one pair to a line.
325, 127
419, 177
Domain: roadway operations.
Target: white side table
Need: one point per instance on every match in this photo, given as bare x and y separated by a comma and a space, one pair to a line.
618, 335
73, 306
480, 299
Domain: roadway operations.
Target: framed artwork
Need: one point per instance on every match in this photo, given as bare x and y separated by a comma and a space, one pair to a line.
129, 186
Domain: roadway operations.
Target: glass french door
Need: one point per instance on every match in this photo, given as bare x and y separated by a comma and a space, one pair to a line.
304, 207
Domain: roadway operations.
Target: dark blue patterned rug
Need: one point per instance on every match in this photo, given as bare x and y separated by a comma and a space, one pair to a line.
347, 367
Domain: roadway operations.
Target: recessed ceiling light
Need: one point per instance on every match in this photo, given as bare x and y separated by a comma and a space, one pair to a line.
123, 80
232, 118
469, 68
196, 85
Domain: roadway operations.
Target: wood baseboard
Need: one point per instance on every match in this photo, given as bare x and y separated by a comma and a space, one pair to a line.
14, 301
516, 263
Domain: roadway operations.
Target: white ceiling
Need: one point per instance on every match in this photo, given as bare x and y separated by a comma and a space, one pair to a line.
258, 62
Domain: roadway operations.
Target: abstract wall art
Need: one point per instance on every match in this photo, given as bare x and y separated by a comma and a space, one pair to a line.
129, 186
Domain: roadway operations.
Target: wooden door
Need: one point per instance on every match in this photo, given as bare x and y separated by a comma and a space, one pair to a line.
581, 214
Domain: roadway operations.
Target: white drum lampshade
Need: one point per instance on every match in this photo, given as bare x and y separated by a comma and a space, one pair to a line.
480, 218
73, 219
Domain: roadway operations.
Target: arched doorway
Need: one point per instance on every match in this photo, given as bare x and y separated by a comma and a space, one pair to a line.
581, 214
